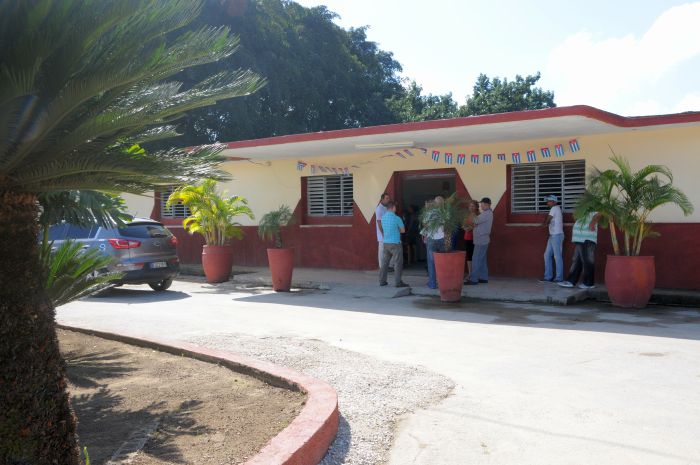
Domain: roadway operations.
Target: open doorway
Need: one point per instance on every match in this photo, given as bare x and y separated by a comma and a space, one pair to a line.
414, 189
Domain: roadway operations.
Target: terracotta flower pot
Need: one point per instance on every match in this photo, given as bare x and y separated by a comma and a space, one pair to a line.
281, 268
449, 267
217, 261
630, 280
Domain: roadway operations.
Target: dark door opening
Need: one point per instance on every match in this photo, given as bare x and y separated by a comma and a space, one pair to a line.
414, 190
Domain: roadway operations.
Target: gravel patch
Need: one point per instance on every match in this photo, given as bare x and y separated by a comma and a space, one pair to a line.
372, 394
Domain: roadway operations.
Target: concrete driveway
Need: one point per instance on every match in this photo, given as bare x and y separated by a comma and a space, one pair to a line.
534, 384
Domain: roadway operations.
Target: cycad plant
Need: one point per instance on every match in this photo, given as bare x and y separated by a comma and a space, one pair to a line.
625, 198
212, 215
72, 273
448, 215
81, 85
270, 225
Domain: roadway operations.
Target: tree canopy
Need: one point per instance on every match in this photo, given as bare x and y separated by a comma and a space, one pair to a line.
499, 96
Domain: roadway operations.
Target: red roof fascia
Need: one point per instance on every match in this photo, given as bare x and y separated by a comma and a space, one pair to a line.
576, 110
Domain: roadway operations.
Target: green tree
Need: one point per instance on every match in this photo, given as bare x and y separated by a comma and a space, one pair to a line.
320, 76
499, 96
411, 105
82, 82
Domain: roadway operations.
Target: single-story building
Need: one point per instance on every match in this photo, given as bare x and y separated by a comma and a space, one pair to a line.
333, 180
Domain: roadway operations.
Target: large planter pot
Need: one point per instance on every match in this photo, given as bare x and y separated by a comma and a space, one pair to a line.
449, 267
217, 261
281, 268
630, 280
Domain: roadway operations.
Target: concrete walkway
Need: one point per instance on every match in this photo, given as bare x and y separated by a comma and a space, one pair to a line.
535, 384
365, 283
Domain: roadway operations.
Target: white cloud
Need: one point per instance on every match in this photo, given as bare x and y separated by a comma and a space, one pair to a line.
690, 102
619, 73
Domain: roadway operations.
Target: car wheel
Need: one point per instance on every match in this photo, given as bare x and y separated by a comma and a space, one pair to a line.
160, 286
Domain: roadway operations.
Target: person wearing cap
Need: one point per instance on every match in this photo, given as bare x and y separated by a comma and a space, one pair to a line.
482, 237
555, 242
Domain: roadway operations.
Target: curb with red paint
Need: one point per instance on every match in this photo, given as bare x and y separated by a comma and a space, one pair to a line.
305, 440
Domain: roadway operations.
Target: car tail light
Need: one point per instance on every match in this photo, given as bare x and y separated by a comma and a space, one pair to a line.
172, 241
124, 244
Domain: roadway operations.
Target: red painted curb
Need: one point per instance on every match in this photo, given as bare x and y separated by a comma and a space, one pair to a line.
307, 438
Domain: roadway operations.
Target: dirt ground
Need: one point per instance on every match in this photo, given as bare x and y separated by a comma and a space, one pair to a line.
175, 409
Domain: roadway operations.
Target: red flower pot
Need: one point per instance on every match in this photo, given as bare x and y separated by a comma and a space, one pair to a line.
449, 267
281, 268
630, 280
217, 261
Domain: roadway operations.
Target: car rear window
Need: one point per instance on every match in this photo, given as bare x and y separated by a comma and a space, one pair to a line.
59, 232
144, 230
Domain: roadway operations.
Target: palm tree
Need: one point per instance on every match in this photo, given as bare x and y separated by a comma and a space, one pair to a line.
270, 225
625, 198
448, 215
81, 85
212, 214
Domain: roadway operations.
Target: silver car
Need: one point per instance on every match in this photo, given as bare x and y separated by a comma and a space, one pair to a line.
144, 250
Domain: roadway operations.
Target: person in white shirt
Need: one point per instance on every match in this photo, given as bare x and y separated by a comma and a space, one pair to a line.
555, 242
378, 213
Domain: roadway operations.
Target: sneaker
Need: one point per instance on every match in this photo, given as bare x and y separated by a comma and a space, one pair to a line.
565, 284
431, 286
383, 284
483, 281
544, 280
583, 286
402, 284
471, 283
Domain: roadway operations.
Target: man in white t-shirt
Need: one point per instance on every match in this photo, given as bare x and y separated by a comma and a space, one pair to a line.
555, 243
378, 213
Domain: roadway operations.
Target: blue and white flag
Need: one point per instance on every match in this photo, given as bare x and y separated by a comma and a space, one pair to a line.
531, 156
545, 152
475, 158
516, 157
573, 144
501, 156
487, 158
448, 158
436, 156
559, 150
301, 165
461, 158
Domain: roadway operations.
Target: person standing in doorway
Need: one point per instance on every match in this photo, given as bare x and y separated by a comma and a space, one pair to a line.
555, 242
434, 242
584, 235
481, 225
469, 233
392, 227
379, 213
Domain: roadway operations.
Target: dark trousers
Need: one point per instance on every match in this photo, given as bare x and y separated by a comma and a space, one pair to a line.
392, 252
583, 260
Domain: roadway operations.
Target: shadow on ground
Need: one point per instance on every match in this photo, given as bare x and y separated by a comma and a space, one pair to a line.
655, 320
103, 417
129, 295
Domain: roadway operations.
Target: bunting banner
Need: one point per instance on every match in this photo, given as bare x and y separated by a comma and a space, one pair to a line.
448, 159
573, 144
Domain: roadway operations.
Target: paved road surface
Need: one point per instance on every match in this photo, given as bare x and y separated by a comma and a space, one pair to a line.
534, 384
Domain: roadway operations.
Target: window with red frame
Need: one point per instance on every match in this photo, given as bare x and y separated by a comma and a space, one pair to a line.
173, 211
531, 182
329, 195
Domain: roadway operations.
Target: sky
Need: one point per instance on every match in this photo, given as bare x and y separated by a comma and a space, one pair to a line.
629, 57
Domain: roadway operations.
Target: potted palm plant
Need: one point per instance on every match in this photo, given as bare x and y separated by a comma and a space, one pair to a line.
447, 215
280, 259
212, 216
625, 198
